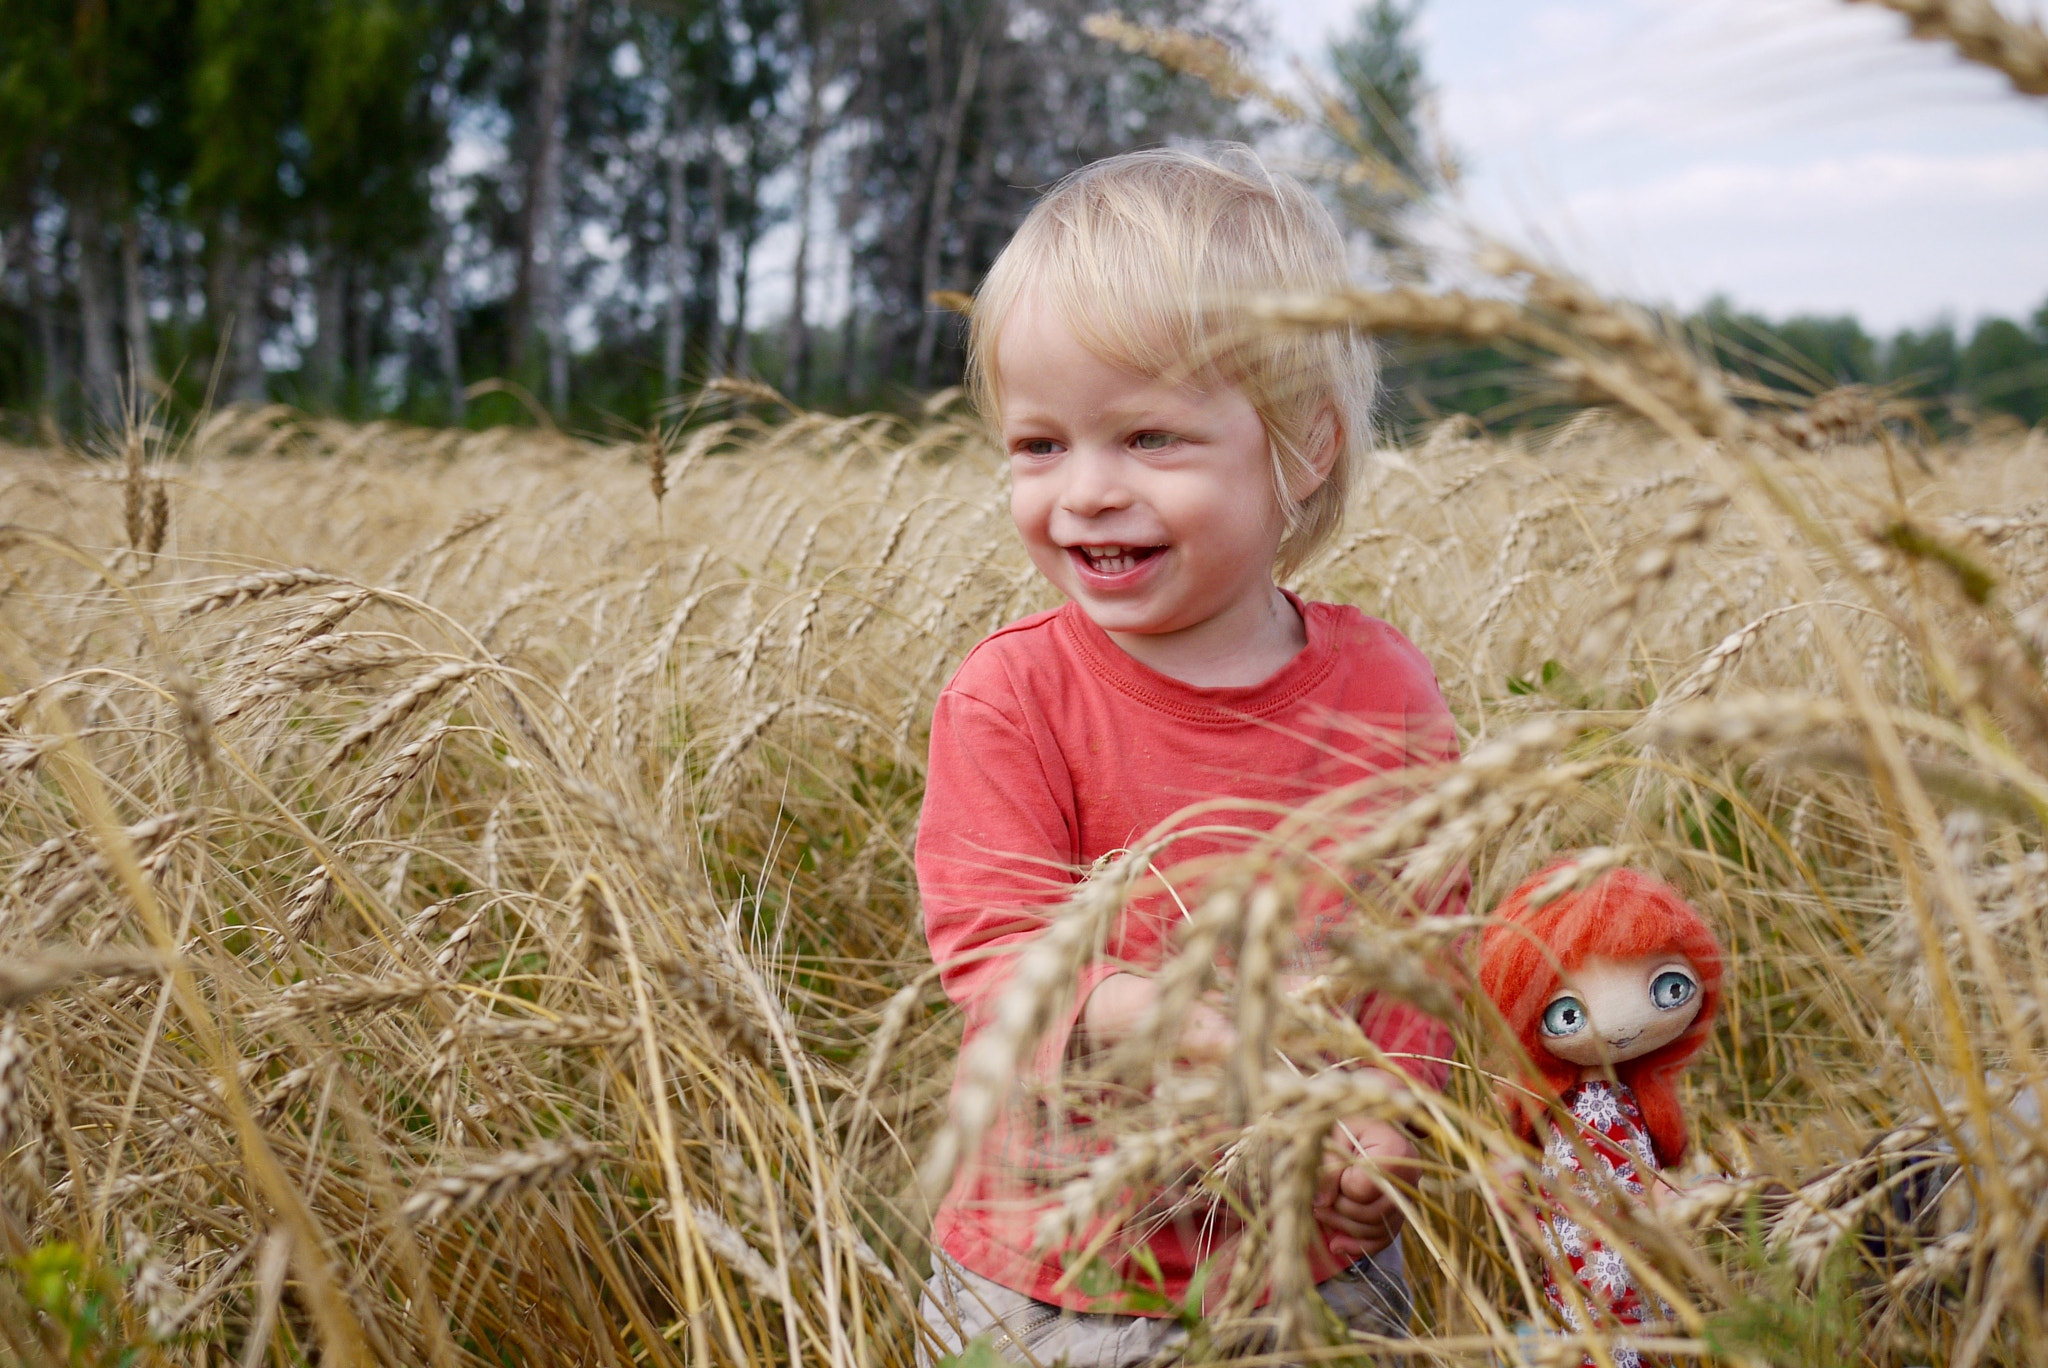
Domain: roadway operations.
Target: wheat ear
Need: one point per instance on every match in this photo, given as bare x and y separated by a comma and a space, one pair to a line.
1982, 33
497, 1178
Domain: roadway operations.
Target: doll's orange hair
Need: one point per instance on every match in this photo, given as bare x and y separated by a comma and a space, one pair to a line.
1624, 914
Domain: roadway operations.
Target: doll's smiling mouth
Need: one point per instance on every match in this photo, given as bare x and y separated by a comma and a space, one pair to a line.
1113, 558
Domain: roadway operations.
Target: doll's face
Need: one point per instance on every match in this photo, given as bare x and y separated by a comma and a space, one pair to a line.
1610, 1011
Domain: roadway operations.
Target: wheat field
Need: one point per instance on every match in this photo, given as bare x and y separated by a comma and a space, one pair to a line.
458, 905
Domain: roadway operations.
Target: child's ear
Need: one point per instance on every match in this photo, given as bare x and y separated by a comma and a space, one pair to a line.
1325, 439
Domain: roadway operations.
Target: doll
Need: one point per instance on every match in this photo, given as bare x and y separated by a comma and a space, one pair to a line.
1610, 990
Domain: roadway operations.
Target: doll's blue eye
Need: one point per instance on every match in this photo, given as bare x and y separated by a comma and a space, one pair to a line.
1566, 1016
1671, 989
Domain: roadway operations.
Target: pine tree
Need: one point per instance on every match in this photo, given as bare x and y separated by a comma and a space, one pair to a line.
1380, 89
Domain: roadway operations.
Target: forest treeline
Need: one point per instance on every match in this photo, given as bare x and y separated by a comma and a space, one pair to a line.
1946, 377
388, 207
369, 205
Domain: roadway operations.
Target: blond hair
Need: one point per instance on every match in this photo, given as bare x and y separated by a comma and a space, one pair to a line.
1147, 258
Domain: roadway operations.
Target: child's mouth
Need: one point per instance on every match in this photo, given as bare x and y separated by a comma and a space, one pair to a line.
1114, 559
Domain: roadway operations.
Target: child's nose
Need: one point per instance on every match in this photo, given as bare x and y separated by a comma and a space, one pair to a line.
1095, 482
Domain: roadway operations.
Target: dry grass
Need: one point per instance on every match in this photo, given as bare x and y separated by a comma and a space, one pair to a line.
458, 910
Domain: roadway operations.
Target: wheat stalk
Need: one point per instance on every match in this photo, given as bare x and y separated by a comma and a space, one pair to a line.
26, 978
731, 1248
252, 588
497, 1179
14, 1057
404, 766
403, 704
342, 995
1982, 32
1206, 59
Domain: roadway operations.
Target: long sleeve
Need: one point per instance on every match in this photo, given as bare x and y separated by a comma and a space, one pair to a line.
1419, 1043
997, 852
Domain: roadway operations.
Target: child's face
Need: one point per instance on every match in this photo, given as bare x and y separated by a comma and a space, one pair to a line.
1148, 503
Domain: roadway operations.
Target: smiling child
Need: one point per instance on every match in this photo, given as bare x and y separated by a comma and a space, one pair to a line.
1167, 465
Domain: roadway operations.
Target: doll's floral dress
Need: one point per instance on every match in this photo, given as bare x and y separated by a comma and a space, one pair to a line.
1612, 1134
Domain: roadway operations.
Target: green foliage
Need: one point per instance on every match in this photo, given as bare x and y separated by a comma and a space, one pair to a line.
1379, 73
1555, 680
1380, 87
1924, 365
2005, 370
1429, 379
1099, 1280
1710, 823
81, 1300
2002, 369
1778, 1319
979, 1352
309, 108
1803, 354
92, 97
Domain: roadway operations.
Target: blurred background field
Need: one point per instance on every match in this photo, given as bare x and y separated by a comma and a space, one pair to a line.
455, 896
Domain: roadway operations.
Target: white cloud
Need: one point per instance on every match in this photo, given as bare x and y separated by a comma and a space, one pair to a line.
1896, 238
1872, 183
1796, 154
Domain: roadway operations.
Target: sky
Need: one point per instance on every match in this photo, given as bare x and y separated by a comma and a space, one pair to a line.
1797, 156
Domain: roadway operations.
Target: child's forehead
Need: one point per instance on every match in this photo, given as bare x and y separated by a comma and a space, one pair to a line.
1042, 324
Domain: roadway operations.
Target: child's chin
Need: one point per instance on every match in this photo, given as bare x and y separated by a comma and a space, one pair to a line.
1122, 619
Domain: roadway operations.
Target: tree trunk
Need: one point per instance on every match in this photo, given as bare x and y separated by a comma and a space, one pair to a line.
238, 311
715, 276
447, 342
936, 215
544, 249
362, 337
736, 346
750, 189
96, 313
676, 259
976, 252
849, 331
45, 287
676, 244
330, 299
849, 323
251, 383
797, 364
135, 311
540, 204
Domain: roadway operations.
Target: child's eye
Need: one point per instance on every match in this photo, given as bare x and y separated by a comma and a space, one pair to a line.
1671, 989
1152, 441
1037, 446
1566, 1016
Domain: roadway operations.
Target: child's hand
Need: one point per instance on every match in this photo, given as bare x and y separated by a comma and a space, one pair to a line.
1122, 1001
1354, 1207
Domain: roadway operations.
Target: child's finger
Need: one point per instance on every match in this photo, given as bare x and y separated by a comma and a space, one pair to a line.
1336, 1225
1351, 1248
1346, 1249
1374, 1212
1360, 1184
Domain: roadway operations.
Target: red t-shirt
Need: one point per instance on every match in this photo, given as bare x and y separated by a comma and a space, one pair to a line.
1050, 748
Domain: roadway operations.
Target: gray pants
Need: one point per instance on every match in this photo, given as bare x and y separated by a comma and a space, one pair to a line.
959, 1306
